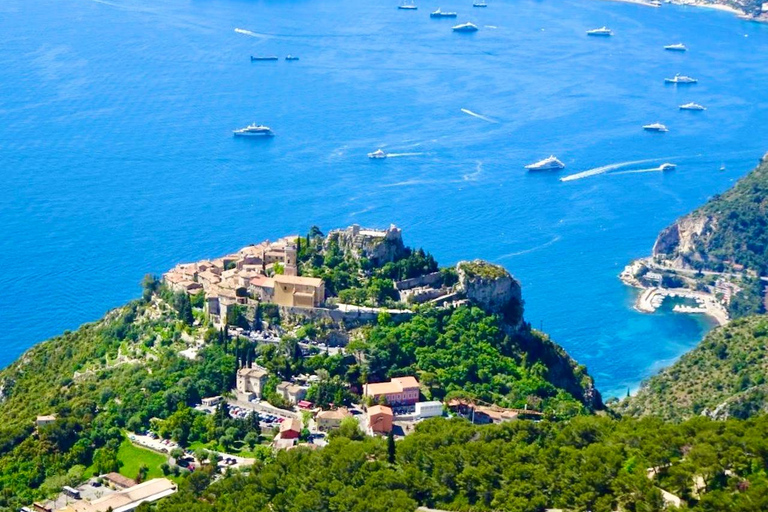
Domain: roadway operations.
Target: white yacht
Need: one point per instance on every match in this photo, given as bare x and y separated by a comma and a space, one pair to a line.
410, 7
680, 79
548, 164
655, 127
465, 27
602, 31
254, 130
377, 155
679, 47
692, 106
440, 14
667, 167
479, 3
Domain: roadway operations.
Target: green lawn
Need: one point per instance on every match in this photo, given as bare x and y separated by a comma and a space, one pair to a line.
134, 457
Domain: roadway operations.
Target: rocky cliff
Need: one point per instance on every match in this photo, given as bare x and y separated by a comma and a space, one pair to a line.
493, 288
378, 246
729, 232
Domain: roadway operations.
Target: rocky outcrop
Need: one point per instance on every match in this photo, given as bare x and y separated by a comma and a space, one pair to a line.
492, 288
378, 246
681, 242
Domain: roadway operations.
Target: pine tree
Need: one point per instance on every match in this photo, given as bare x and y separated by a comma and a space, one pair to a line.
391, 448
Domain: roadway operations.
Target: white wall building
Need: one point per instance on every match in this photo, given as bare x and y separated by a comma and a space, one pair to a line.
429, 409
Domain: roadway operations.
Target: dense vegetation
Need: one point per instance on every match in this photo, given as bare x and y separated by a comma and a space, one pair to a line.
591, 463
737, 227
724, 376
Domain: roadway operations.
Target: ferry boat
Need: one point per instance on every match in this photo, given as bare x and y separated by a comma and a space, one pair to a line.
266, 57
680, 79
692, 106
548, 164
679, 47
479, 3
291, 57
602, 31
667, 167
409, 7
377, 155
655, 127
465, 27
254, 130
440, 14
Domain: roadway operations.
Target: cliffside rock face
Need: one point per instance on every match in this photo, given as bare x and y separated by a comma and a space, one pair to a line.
492, 288
681, 241
379, 246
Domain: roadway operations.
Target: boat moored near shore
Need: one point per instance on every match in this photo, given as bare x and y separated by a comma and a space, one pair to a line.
548, 164
465, 27
442, 14
679, 47
655, 127
600, 32
680, 79
692, 106
254, 130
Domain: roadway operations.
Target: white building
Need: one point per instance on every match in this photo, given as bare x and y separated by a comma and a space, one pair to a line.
429, 409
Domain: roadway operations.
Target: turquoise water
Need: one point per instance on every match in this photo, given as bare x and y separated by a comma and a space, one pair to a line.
118, 159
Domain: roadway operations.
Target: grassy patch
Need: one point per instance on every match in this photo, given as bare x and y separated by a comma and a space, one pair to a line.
134, 457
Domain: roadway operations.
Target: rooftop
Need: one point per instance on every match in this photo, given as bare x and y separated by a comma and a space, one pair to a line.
298, 280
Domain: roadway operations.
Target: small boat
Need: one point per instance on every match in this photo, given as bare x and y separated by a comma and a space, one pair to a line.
602, 31
266, 57
465, 27
722, 168
377, 155
254, 130
479, 3
291, 57
679, 47
655, 127
441, 14
680, 79
692, 106
409, 7
548, 164
667, 167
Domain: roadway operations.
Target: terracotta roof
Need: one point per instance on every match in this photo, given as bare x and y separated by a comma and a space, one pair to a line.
396, 385
293, 424
118, 479
379, 409
263, 282
337, 414
298, 280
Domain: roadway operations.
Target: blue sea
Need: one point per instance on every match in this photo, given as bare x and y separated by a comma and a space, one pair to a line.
117, 157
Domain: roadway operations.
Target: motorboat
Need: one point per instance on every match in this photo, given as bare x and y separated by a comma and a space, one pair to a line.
679, 47
680, 79
465, 27
692, 106
655, 127
548, 164
254, 130
266, 57
602, 31
667, 167
442, 14
479, 3
408, 6
291, 57
377, 155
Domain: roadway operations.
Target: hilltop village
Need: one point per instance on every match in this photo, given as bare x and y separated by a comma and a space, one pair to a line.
295, 342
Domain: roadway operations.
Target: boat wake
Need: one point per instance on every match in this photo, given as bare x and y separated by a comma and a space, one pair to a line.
554, 240
473, 176
395, 155
638, 171
606, 168
479, 116
247, 32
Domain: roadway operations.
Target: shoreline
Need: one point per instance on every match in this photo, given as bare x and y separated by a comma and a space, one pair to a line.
739, 13
651, 297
